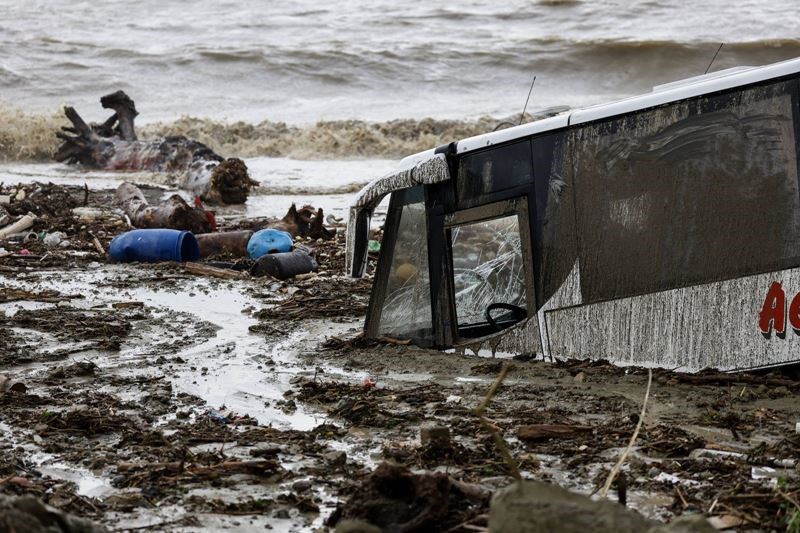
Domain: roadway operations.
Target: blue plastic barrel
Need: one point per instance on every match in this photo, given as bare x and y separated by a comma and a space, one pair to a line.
154, 245
269, 241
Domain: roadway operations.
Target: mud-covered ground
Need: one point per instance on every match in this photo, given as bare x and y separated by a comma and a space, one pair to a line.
147, 398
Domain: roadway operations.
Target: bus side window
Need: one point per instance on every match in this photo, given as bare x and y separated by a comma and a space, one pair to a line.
488, 270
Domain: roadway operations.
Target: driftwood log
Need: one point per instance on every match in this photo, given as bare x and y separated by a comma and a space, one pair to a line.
174, 213
113, 145
305, 222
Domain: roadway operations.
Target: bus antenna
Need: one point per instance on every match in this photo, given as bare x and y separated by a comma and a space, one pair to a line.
713, 58
522, 116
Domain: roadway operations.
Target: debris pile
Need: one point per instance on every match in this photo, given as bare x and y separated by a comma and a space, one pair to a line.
113, 145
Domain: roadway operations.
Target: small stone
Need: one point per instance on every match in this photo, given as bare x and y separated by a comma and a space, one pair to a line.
301, 485
264, 449
435, 436
335, 458
356, 526
779, 392
580, 377
653, 472
797, 429
281, 513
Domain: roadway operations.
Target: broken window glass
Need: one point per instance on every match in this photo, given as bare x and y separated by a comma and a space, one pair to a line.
407, 307
488, 269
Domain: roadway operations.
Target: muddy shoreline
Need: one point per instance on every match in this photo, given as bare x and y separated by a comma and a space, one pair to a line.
154, 399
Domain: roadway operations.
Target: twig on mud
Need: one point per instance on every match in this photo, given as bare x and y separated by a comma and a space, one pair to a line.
156, 525
713, 506
469, 525
788, 498
97, 245
615, 470
492, 429
680, 495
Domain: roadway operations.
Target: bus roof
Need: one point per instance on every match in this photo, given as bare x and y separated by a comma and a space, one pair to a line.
662, 94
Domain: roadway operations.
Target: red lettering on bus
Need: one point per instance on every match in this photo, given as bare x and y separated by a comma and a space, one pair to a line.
773, 312
794, 313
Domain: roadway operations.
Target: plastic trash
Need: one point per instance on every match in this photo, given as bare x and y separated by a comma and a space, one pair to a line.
269, 241
90, 214
53, 239
218, 417
153, 245
230, 242
373, 246
285, 265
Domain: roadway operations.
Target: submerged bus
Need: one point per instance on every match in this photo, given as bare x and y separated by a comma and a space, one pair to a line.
660, 230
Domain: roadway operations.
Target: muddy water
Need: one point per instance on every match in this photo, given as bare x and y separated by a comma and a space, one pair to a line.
233, 368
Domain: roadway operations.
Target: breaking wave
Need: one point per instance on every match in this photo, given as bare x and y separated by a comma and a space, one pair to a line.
31, 137
27, 137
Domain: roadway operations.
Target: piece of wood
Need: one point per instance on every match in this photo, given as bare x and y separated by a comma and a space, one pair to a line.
200, 269
305, 222
98, 246
174, 213
124, 113
536, 432
20, 225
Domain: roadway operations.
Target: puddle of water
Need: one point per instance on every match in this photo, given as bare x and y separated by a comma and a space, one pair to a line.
88, 483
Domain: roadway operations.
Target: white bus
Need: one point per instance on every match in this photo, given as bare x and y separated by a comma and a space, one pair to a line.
659, 230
